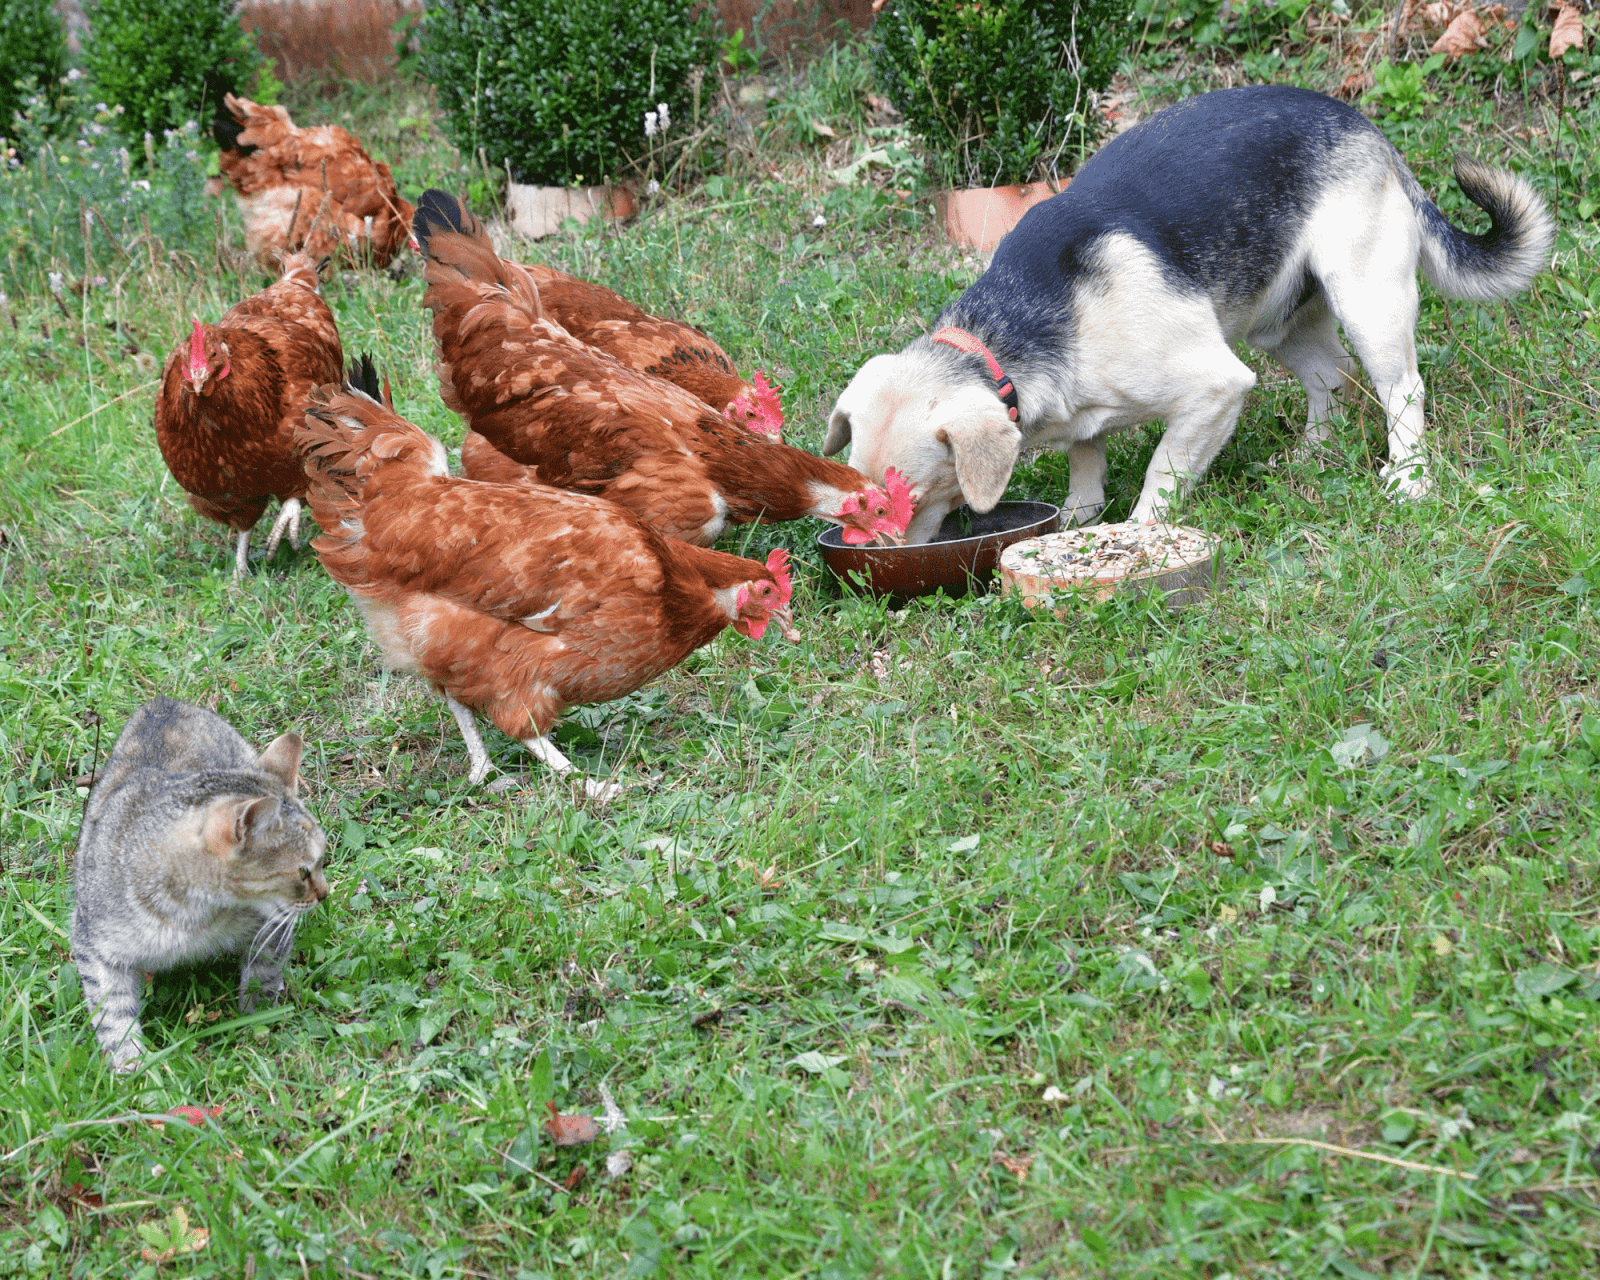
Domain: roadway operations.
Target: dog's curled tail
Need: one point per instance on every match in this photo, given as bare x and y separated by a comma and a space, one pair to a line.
1504, 259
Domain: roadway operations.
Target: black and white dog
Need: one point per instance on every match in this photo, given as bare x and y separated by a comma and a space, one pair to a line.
1267, 215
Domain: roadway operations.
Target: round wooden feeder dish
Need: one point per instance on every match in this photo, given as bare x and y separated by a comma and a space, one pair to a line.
961, 559
1089, 564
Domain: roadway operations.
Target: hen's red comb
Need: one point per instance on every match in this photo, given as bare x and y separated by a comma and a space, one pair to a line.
767, 397
900, 504
778, 567
197, 348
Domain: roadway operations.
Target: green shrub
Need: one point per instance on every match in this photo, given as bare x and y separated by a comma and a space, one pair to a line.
33, 55
558, 92
166, 62
999, 91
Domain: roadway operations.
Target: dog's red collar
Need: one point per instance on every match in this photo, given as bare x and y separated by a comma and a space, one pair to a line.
961, 340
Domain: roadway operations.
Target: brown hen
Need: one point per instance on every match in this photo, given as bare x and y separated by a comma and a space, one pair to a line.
514, 602
314, 189
669, 349
590, 423
231, 396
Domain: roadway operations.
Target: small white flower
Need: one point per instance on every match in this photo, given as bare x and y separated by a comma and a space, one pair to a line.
1269, 895
74, 76
652, 188
1053, 1094
666, 116
819, 221
649, 124
141, 184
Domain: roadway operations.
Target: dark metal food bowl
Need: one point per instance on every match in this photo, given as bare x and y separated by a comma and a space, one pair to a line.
962, 558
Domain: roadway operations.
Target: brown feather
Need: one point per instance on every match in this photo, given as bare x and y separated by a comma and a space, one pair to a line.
671, 350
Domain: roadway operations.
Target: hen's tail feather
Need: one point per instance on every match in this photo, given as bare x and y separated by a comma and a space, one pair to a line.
440, 211
458, 251
226, 126
345, 442
305, 269
363, 377
348, 436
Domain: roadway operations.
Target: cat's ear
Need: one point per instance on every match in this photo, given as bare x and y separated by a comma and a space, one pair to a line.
282, 760
229, 823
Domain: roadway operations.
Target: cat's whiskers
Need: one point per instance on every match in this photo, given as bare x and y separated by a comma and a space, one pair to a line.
276, 926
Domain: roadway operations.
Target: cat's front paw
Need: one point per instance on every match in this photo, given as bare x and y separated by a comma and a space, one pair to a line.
124, 1060
260, 989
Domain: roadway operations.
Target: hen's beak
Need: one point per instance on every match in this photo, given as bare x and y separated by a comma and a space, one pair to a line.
889, 538
785, 622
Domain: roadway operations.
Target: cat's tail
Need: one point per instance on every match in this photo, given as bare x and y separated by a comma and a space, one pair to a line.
348, 441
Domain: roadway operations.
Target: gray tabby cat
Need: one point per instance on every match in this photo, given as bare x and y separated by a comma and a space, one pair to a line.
192, 846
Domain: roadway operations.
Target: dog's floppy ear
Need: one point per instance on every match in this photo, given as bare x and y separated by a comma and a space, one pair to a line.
838, 433
984, 448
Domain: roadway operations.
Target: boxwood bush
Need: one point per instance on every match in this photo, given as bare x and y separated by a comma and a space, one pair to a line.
33, 56
557, 92
166, 62
999, 91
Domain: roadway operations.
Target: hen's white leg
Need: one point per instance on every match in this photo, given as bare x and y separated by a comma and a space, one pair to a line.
241, 555
288, 520
476, 751
548, 754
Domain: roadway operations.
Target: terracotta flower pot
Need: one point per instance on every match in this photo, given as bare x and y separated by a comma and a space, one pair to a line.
976, 217
537, 212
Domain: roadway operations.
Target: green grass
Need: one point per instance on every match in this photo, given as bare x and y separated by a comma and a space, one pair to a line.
938, 898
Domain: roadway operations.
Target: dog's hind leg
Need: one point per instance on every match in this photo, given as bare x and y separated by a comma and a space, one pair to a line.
1380, 319
1212, 383
1310, 349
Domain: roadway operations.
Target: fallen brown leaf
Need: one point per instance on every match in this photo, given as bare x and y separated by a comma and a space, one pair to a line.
1354, 85
1464, 35
578, 1174
80, 1195
1567, 32
570, 1131
1018, 1166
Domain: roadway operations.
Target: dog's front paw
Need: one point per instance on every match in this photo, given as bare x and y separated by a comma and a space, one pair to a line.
1408, 479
